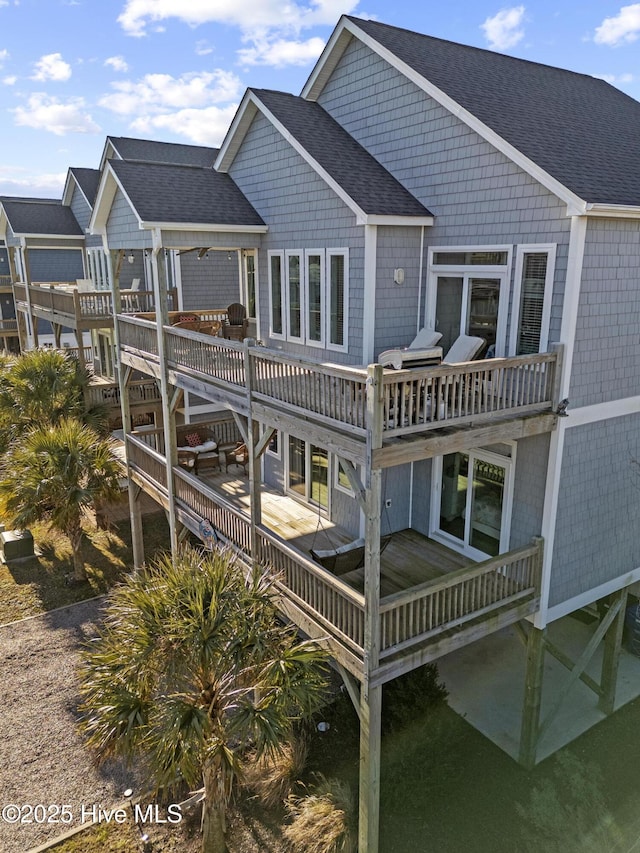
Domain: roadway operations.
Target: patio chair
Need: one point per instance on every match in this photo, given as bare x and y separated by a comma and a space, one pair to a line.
197, 448
464, 348
421, 351
236, 324
239, 455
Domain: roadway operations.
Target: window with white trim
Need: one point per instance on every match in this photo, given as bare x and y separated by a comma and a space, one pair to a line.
276, 294
308, 296
532, 293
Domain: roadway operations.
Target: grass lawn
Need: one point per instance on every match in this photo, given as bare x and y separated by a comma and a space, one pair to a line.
32, 586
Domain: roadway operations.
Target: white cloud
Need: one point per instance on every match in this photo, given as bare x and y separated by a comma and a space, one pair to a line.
504, 30
4, 55
245, 14
202, 127
118, 63
615, 79
155, 94
10, 81
52, 67
46, 113
203, 48
15, 181
624, 27
281, 52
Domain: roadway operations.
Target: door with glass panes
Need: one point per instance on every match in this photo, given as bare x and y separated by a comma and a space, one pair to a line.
308, 472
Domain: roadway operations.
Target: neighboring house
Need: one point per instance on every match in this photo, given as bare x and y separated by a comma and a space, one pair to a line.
45, 247
414, 183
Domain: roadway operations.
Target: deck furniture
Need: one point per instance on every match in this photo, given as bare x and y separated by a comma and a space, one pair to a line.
235, 326
464, 348
421, 351
239, 455
197, 448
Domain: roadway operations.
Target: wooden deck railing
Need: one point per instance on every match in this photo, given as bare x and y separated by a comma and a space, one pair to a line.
8, 326
412, 400
416, 614
434, 397
140, 391
332, 603
406, 618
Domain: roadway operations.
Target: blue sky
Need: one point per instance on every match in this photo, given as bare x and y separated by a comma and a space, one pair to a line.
73, 71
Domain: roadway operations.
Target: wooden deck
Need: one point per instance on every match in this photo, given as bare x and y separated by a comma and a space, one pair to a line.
410, 558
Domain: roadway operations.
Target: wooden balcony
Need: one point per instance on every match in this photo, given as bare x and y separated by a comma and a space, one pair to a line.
62, 304
434, 600
422, 412
6, 284
143, 393
8, 328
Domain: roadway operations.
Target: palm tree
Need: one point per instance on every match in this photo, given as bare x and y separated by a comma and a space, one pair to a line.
191, 670
53, 474
40, 387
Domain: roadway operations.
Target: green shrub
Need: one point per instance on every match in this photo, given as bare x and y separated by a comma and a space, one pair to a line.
410, 696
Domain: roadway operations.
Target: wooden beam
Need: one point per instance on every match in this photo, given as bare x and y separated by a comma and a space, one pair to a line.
354, 481
611, 656
399, 451
529, 731
263, 443
241, 423
352, 687
580, 664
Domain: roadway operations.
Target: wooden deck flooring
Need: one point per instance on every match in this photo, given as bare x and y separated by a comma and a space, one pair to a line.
409, 559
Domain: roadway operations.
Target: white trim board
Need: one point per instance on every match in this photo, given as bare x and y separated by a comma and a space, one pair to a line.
591, 595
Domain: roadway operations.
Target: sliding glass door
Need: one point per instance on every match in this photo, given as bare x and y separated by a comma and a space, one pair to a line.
308, 472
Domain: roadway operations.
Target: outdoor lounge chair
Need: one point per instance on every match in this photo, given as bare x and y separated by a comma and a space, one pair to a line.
464, 348
421, 351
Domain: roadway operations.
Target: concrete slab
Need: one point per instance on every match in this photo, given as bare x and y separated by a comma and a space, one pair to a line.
485, 681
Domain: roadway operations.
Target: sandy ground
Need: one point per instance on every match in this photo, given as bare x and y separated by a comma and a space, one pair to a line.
42, 756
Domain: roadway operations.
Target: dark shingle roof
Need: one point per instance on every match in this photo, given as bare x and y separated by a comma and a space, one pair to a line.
359, 174
88, 180
182, 194
582, 131
151, 151
40, 216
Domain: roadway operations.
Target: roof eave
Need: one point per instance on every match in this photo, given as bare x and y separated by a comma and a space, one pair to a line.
400, 220
199, 226
621, 211
236, 133
109, 184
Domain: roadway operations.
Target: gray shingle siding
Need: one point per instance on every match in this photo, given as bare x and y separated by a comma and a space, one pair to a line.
606, 361
397, 305
302, 213
80, 209
532, 456
123, 231
477, 195
55, 264
598, 507
211, 282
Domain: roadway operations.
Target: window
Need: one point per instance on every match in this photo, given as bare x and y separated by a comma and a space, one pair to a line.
472, 499
340, 479
273, 448
275, 294
314, 265
468, 295
337, 298
250, 284
533, 286
308, 296
294, 287
308, 472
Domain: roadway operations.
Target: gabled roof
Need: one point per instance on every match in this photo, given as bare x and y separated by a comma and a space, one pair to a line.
357, 177
580, 131
165, 195
87, 181
151, 151
39, 218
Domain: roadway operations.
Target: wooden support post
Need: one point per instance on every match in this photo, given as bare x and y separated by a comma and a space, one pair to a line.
168, 417
57, 334
253, 440
351, 685
611, 656
369, 801
27, 284
77, 310
532, 697
371, 697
